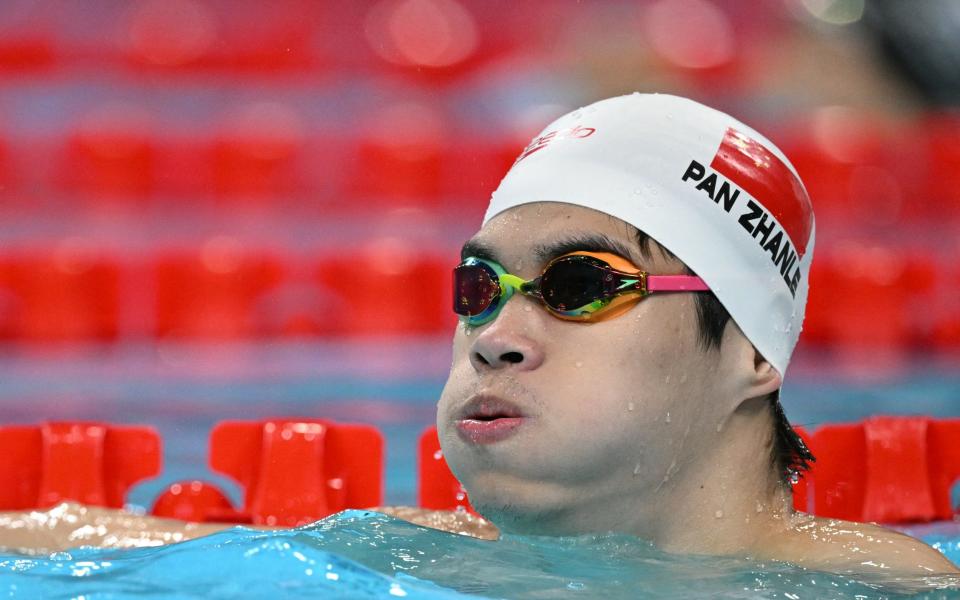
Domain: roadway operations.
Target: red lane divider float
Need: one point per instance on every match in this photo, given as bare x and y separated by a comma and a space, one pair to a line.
438, 488
92, 463
292, 471
887, 469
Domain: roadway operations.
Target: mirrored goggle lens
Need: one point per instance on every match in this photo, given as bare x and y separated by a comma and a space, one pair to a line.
475, 288
575, 282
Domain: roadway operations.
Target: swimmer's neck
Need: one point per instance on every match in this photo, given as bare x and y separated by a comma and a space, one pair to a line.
728, 504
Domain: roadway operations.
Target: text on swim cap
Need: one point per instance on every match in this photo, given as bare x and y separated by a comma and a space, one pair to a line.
753, 218
541, 142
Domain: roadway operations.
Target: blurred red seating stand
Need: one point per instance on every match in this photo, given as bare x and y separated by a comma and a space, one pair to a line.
248, 37
214, 293
111, 155
946, 326
62, 294
942, 183
27, 53
6, 173
91, 463
854, 170
388, 287
889, 469
257, 152
293, 471
472, 170
437, 489
865, 297
399, 157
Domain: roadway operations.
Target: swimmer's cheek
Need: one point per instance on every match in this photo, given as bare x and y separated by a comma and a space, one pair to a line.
462, 523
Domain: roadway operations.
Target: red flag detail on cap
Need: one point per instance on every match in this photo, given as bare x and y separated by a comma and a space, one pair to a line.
765, 177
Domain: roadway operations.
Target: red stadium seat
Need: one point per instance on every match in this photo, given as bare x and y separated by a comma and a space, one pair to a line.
388, 288
946, 326
472, 171
858, 302
28, 53
112, 155
438, 489
245, 37
853, 170
215, 293
942, 183
91, 463
293, 471
400, 156
64, 294
256, 153
889, 469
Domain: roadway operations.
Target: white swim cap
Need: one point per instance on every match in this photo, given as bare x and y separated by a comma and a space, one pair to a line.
713, 191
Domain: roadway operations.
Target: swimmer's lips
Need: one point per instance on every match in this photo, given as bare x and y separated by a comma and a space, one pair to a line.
488, 419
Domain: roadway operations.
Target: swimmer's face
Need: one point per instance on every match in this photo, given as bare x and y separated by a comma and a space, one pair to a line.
590, 414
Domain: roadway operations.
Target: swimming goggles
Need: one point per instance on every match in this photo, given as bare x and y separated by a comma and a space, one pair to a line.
580, 286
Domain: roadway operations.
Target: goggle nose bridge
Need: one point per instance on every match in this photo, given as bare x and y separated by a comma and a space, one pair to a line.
510, 283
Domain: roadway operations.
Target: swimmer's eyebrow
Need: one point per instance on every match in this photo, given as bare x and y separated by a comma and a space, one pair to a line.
589, 242
478, 249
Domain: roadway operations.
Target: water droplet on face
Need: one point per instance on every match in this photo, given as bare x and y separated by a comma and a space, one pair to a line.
636, 470
759, 507
519, 263
467, 331
719, 427
718, 514
666, 419
667, 379
527, 308
578, 364
629, 405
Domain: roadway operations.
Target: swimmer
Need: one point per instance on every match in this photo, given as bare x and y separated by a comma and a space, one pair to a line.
628, 312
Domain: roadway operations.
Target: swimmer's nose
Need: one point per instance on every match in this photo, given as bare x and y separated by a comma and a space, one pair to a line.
500, 346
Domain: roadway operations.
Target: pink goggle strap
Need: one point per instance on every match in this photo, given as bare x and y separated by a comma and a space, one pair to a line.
676, 283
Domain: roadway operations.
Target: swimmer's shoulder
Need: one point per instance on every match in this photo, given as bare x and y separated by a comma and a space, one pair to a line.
861, 548
462, 523
68, 525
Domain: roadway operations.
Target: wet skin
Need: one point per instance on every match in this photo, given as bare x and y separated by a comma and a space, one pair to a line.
629, 424
625, 425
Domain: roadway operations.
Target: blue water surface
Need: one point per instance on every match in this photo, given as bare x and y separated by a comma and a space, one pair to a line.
361, 554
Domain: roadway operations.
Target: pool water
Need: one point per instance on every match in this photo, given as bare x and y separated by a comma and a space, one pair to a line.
360, 554
184, 390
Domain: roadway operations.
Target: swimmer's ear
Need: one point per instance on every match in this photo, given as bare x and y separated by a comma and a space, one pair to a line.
754, 376
766, 379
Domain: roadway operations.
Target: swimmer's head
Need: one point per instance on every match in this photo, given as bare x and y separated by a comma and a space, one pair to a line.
711, 190
543, 418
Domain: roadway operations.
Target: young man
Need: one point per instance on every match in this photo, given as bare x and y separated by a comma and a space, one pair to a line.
628, 310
